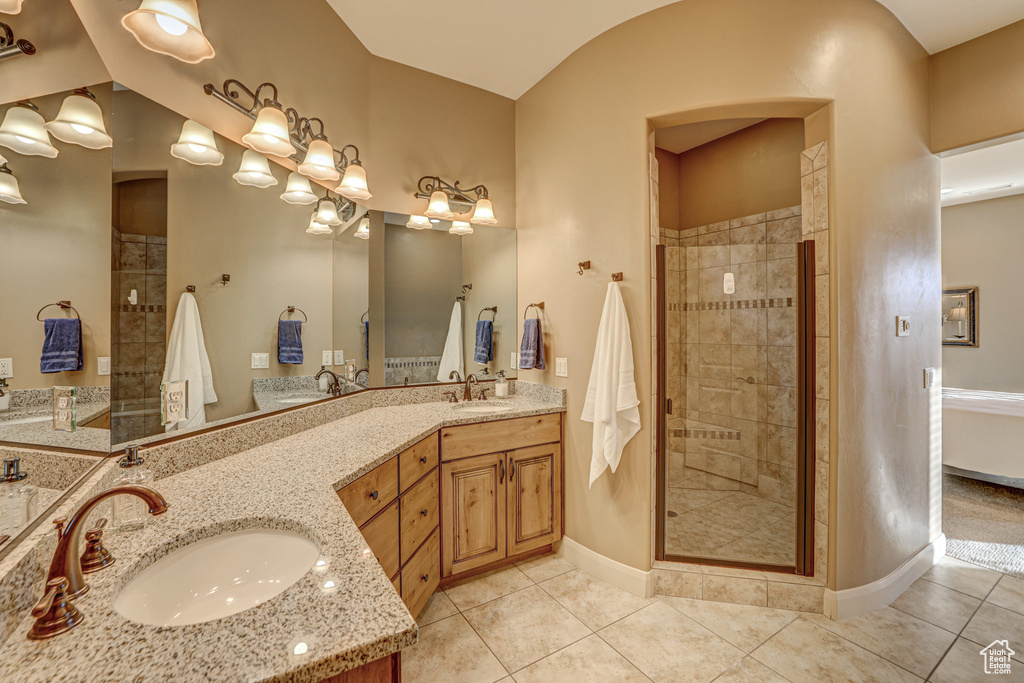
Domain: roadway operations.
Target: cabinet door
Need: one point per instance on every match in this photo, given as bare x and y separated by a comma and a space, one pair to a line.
534, 498
473, 512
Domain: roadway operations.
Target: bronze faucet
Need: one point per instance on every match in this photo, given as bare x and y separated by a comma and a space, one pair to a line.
468, 396
66, 559
454, 374
333, 384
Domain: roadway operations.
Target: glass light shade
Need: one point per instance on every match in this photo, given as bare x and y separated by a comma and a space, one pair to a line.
10, 6
484, 214
299, 190
80, 122
319, 162
353, 185
327, 213
9, 190
269, 135
254, 171
170, 27
23, 131
318, 228
461, 228
363, 232
438, 206
197, 145
419, 223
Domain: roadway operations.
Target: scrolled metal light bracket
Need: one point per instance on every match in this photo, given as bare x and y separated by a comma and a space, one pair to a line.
468, 197
12, 47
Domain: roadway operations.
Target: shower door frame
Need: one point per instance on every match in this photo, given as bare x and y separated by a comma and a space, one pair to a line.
806, 421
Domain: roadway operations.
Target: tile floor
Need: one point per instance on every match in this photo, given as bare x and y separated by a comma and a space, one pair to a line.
545, 620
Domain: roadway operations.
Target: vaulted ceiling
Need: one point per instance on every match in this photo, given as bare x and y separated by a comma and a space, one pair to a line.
506, 46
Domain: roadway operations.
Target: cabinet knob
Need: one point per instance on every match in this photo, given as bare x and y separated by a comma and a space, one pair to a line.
425, 577
423, 512
374, 495
423, 460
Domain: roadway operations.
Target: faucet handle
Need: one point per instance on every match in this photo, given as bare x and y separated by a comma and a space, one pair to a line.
483, 394
96, 557
54, 613
452, 398
59, 523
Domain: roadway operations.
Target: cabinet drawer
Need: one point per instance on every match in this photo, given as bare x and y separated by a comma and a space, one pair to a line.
422, 575
417, 461
372, 492
382, 535
419, 514
505, 435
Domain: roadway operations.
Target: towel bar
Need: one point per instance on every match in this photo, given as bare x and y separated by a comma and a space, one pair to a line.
616, 277
492, 309
538, 305
64, 305
292, 309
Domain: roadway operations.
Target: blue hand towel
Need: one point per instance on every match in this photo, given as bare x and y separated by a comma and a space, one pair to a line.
289, 342
531, 353
62, 348
484, 353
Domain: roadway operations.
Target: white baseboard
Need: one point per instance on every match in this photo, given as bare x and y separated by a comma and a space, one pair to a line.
853, 602
629, 579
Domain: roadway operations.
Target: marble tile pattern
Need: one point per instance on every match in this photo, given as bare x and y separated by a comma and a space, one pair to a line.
290, 483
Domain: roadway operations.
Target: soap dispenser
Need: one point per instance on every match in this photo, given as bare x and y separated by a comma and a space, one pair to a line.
130, 512
18, 495
501, 385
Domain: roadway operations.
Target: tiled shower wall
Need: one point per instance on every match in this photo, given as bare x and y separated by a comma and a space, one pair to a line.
138, 335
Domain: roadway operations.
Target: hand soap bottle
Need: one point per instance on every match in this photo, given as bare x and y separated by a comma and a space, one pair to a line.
130, 512
501, 385
19, 497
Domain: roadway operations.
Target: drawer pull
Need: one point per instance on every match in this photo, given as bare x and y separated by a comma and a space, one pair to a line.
511, 469
501, 466
423, 460
374, 495
423, 512
425, 577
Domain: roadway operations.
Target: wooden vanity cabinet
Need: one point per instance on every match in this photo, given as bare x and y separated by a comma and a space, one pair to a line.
498, 506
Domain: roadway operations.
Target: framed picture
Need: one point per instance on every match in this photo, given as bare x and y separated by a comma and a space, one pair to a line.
960, 317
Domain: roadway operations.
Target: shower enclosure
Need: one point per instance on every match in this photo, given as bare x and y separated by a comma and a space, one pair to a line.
736, 387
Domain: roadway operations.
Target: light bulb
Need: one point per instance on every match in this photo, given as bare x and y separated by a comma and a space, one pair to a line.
198, 149
84, 130
171, 25
25, 141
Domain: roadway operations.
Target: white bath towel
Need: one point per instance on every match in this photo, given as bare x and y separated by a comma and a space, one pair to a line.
612, 403
452, 358
187, 359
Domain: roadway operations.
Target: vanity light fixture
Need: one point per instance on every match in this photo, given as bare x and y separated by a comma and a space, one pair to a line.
197, 145
298, 190
9, 190
80, 122
285, 133
9, 47
363, 232
318, 228
170, 27
327, 213
419, 223
461, 228
441, 195
23, 131
254, 171
10, 6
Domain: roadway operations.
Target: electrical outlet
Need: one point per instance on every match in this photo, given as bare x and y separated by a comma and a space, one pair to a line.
339, 357
103, 366
902, 326
561, 367
260, 361
6, 368
929, 378
326, 359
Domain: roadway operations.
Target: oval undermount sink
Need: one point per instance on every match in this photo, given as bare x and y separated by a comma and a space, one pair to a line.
484, 407
217, 577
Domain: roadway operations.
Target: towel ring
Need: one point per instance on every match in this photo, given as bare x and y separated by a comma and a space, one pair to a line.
292, 309
363, 317
539, 306
64, 305
494, 313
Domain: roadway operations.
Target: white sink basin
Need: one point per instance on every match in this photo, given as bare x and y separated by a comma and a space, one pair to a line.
217, 577
477, 407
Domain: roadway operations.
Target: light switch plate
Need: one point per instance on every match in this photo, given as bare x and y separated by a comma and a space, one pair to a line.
260, 361
103, 366
513, 360
6, 368
929, 378
326, 359
339, 357
561, 367
902, 326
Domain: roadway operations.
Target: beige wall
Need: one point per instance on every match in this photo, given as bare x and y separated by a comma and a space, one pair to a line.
489, 263
976, 89
217, 226
56, 247
885, 247
763, 160
982, 246
351, 295
668, 183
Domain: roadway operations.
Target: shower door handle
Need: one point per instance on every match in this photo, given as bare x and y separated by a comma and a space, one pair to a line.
668, 406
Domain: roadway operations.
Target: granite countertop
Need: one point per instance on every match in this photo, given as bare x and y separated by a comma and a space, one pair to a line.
286, 484
41, 433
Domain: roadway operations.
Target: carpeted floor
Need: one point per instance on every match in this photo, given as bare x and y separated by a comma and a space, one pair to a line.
984, 523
